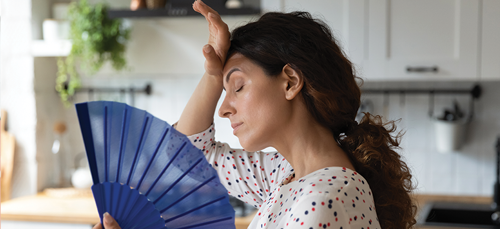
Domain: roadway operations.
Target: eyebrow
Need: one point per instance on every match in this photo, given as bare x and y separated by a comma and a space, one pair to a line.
229, 75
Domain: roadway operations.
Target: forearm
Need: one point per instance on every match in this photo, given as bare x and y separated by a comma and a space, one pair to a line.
199, 111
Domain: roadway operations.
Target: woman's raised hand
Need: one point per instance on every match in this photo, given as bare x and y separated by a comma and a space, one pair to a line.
215, 51
109, 223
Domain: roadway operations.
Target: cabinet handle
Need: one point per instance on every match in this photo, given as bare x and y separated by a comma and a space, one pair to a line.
422, 69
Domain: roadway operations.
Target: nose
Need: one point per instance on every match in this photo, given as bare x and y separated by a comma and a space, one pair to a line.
226, 109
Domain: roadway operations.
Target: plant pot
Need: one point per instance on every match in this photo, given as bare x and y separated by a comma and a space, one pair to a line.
54, 30
449, 135
156, 4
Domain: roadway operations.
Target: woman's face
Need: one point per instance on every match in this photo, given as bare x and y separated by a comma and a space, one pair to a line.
254, 103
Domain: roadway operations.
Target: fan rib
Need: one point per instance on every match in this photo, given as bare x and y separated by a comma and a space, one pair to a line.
119, 209
165, 169
118, 204
106, 178
165, 132
138, 151
122, 141
86, 128
207, 223
187, 194
140, 204
194, 209
130, 204
177, 181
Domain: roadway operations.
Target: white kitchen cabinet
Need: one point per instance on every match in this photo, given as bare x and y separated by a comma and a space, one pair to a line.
405, 39
422, 40
346, 20
490, 42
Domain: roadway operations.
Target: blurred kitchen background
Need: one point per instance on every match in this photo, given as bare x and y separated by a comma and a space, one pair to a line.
397, 47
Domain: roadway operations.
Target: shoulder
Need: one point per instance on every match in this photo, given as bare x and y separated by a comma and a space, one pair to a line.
334, 180
340, 184
335, 196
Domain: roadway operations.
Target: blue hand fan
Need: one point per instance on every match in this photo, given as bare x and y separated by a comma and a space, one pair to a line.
148, 175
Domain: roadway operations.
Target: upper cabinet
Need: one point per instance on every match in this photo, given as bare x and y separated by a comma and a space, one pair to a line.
406, 39
345, 18
490, 42
422, 40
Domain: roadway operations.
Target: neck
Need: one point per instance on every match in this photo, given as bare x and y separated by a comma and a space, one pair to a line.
309, 146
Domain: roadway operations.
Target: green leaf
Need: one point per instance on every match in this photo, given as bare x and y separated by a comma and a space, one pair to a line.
96, 39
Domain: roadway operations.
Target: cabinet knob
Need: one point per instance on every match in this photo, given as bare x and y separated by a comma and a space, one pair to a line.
422, 69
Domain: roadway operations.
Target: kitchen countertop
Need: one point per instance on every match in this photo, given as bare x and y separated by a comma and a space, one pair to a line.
44, 207
424, 199
65, 206
81, 209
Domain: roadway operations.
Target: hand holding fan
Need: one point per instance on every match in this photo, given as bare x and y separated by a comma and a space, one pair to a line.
148, 175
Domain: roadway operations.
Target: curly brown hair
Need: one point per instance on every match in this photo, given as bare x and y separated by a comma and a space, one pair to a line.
332, 96
373, 154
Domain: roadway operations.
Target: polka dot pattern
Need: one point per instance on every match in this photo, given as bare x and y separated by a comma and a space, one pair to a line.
332, 197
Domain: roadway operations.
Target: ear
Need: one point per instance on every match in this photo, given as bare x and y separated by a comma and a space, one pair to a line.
294, 81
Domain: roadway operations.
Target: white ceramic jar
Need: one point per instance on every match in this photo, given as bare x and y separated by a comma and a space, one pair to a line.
449, 135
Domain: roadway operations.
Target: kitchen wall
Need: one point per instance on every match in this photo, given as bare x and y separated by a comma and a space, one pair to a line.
167, 53
160, 49
164, 52
468, 171
17, 94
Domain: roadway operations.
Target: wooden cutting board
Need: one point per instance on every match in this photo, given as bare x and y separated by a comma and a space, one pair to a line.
8, 144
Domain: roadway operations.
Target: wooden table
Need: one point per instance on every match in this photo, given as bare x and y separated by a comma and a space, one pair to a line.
67, 210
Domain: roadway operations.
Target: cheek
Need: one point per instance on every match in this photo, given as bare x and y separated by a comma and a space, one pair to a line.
264, 114
261, 108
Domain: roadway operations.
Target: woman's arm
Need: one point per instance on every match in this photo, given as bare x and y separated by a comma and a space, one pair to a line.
199, 111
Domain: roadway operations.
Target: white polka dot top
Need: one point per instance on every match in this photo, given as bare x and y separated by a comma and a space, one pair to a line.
332, 197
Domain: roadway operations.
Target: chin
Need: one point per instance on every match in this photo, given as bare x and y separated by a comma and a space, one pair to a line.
249, 146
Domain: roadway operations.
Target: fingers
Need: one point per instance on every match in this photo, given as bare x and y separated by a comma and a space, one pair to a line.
218, 42
211, 15
203, 8
219, 34
213, 64
216, 20
97, 226
109, 222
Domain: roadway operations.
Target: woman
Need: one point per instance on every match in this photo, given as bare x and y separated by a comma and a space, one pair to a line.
289, 86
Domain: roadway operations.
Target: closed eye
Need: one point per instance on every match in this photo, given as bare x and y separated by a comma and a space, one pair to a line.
239, 89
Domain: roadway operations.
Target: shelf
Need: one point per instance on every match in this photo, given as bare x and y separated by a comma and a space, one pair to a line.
176, 12
42, 48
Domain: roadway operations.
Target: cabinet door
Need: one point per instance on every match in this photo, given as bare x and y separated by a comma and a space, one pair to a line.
346, 19
422, 40
490, 58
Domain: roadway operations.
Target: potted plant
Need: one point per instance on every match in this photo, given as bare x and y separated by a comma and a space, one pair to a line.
96, 40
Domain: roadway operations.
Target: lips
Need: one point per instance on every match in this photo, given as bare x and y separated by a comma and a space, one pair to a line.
235, 126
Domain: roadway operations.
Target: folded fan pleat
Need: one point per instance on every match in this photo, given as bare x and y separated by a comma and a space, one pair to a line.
147, 174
